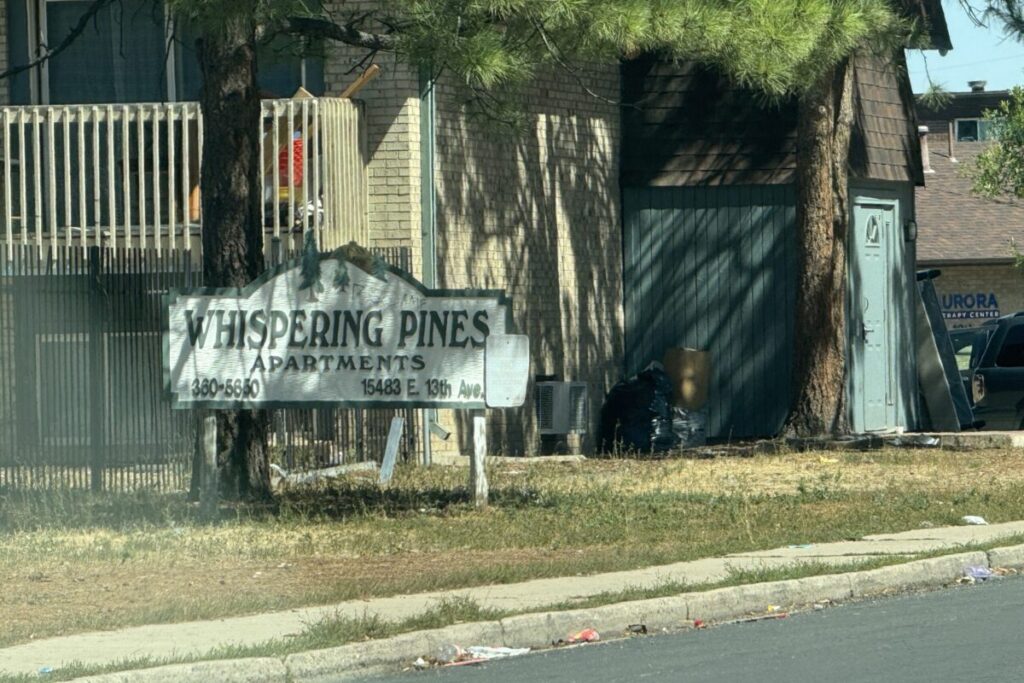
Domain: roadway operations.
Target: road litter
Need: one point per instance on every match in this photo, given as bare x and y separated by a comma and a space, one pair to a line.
1004, 571
454, 655
638, 629
773, 608
822, 604
973, 520
420, 663
483, 653
978, 573
446, 654
45, 670
761, 617
587, 635
699, 623
802, 546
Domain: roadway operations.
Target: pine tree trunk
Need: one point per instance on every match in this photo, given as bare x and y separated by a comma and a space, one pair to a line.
232, 229
819, 367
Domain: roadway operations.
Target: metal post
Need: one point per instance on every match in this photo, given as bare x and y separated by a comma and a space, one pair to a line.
477, 473
97, 374
209, 494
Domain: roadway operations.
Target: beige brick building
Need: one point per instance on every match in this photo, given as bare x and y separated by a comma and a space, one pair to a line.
970, 238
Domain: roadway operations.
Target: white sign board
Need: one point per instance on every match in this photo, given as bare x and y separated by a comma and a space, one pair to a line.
506, 369
372, 341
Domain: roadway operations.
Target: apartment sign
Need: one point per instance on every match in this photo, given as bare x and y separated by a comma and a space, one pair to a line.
361, 340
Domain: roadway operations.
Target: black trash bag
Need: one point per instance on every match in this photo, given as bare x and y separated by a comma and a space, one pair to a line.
637, 414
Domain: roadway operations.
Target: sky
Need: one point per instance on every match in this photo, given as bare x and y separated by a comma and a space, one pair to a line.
978, 54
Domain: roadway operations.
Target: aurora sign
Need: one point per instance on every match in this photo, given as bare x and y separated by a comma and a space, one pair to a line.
357, 340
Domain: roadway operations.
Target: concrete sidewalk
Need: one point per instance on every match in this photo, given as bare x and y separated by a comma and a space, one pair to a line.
163, 641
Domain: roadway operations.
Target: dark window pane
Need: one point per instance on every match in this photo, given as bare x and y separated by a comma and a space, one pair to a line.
1011, 355
118, 58
967, 130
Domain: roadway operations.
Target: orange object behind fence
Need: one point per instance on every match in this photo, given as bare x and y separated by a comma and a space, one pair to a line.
291, 174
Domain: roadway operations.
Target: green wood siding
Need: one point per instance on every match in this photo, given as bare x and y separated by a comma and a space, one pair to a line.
713, 268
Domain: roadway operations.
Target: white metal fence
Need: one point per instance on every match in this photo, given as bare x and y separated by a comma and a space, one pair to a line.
127, 175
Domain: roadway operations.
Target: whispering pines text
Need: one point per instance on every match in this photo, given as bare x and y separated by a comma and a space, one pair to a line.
325, 329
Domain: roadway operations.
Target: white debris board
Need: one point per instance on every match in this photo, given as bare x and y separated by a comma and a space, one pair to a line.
506, 370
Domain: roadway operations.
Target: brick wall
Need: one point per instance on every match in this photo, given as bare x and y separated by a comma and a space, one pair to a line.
538, 214
392, 113
967, 291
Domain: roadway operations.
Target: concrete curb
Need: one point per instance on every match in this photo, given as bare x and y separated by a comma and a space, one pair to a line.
539, 630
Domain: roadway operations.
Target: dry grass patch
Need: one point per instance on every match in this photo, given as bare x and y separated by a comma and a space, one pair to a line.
93, 563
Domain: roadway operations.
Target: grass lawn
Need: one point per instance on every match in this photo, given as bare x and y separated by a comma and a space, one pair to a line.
72, 564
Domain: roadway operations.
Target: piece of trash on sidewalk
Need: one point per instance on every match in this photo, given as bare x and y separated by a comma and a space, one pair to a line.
45, 670
446, 654
480, 652
587, 635
773, 608
420, 663
639, 629
699, 623
978, 573
973, 520
802, 546
761, 617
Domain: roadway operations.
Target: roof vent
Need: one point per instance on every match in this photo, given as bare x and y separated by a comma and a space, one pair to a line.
977, 86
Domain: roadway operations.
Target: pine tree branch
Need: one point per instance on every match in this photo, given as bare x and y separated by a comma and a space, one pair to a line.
556, 56
348, 34
77, 30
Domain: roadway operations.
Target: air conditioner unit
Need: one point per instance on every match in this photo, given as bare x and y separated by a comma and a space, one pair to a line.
562, 407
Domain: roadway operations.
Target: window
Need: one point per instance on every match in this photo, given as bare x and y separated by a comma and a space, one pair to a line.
974, 130
1011, 355
120, 57
131, 51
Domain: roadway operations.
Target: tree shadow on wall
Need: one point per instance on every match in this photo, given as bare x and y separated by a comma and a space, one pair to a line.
538, 214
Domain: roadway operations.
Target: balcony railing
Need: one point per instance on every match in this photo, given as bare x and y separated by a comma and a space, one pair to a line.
127, 175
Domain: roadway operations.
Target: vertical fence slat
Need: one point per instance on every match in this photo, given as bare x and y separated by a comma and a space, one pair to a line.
305, 198
111, 179
83, 218
8, 210
68, 222
126, 178
51, 181
140, 145
37, 180
23, 171
275, 191
172, 161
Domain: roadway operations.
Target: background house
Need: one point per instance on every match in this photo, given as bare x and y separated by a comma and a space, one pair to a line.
968, 237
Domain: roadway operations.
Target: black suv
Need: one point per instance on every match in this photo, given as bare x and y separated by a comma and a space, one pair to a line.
991, 362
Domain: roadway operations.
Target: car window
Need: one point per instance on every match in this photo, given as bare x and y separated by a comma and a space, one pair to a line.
1011, 354
968, 345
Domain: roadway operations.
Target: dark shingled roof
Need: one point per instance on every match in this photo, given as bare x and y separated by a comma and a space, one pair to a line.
689, 126
931, 16
956, 225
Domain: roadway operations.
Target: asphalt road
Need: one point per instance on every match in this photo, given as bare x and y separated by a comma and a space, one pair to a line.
966, 634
